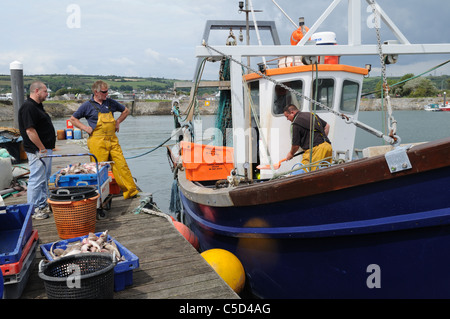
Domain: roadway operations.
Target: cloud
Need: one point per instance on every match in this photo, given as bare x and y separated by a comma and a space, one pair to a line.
141, 37
415, 67
7, 57
154, 55
176, 61
123, 61
34, 61
73, 70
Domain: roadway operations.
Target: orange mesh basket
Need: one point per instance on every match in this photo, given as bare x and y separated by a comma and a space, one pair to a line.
75, 218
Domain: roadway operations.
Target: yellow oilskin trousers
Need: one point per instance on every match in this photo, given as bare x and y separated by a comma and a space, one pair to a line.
104, 144
320, 152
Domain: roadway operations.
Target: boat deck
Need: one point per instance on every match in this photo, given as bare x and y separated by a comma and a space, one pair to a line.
169, 266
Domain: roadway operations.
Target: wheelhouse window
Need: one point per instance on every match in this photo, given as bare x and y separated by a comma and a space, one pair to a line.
254, 94
325, 92
283, 97
255, 119
349, 98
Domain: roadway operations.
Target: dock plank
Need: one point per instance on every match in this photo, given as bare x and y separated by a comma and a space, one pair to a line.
169, 266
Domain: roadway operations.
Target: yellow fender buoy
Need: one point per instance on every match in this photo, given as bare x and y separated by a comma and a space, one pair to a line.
227, 266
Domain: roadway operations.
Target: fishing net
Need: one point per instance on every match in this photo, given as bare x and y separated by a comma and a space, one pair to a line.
223, 115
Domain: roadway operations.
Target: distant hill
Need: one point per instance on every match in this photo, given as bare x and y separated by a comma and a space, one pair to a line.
84, 82
441, 82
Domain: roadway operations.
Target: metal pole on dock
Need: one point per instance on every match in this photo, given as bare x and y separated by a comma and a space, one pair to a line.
17, 90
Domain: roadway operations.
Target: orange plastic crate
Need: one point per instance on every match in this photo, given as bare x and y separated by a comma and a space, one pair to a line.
15, 268
206, 162
114, 188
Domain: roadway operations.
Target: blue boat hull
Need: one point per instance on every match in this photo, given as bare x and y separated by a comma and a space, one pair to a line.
386, 239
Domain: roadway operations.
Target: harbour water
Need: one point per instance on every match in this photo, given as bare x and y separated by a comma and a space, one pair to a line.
138, 135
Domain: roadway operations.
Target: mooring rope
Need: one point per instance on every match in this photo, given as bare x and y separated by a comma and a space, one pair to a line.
156, 147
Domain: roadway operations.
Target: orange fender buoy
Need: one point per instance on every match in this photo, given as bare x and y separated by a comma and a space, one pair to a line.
187, 233
297, 35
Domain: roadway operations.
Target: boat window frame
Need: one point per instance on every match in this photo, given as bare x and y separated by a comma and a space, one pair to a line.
255, 98
300, 100
313, 86
359, 85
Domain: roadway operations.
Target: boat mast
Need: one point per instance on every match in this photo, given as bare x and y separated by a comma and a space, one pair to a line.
247, 30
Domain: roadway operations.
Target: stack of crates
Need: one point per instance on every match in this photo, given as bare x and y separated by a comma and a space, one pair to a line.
18, 246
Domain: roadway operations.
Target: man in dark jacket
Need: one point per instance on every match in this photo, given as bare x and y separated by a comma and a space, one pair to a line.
301, 130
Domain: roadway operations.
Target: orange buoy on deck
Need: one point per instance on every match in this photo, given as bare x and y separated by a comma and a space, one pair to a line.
227, 266
187, 233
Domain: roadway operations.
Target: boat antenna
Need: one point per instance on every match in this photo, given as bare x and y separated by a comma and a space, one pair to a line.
247, 11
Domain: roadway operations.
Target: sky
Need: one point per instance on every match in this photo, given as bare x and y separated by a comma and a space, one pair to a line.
157, 38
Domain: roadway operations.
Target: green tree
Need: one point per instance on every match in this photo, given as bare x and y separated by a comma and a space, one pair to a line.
420, 87
400, 89
126, 88
61, 91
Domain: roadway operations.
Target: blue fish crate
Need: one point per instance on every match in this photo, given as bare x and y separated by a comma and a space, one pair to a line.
79, 179
15, 230
123, 271
15, 284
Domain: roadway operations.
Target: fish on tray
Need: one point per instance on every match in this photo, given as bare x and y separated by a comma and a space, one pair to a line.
89, 244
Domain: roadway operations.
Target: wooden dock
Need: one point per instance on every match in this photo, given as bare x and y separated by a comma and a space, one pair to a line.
169, 266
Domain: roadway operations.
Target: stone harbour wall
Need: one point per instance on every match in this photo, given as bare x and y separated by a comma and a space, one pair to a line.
398, 103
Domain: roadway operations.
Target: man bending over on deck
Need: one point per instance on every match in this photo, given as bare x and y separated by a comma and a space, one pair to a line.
300, 134
102, 128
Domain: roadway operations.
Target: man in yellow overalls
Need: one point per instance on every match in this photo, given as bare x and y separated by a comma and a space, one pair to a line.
102, 128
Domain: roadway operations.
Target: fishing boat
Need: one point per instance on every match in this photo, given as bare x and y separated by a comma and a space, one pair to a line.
432, 107
445, 107
375, 227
